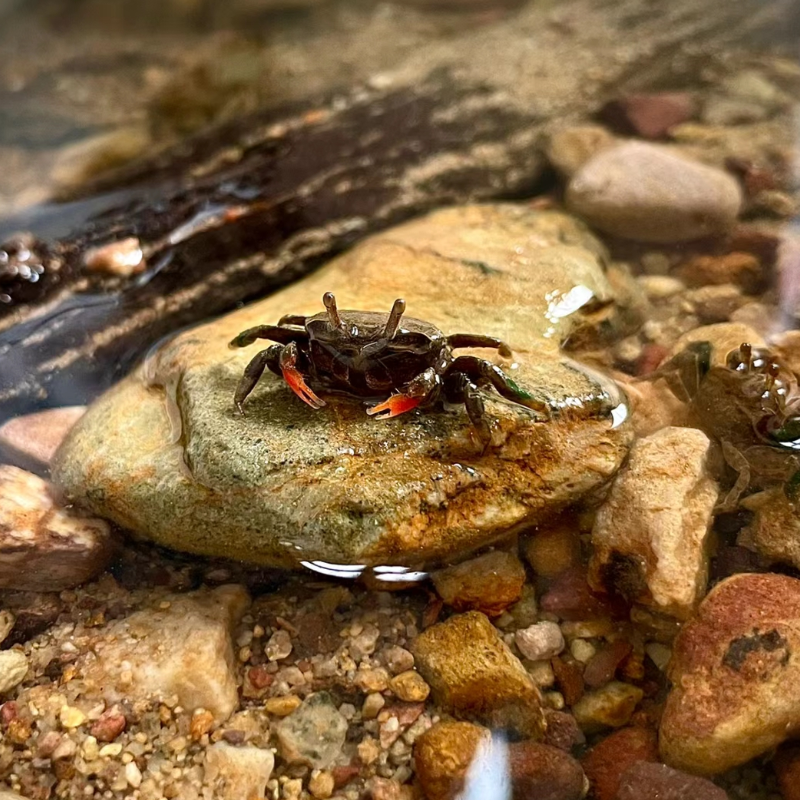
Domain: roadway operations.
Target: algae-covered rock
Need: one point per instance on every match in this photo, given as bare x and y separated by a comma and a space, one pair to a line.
165, 455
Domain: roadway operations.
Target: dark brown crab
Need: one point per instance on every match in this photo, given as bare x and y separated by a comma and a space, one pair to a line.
370, 355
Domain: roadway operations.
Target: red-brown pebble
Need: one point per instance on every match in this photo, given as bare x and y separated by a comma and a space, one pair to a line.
8, 711
606, 762
648, 781
260, 678
787, 770
650, 115
741, 269
108, 726
603, 664
570, 597
562, 730
489, 583
543, 772
569, 679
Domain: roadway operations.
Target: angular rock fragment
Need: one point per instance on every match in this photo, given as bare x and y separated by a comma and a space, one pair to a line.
611, 757
735, 675
44, 547
180, 649
650, 537
236, 773
651, 193
612, 706
473, 673
314, 733
489, 583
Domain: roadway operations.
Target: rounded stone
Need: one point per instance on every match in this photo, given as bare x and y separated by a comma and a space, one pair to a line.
165, 455
650, 193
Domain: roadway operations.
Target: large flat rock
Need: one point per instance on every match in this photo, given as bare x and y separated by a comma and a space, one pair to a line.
165, 455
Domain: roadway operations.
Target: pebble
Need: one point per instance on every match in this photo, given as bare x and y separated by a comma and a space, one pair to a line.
182, 649
410, 686
735, 684
44, 547
279, 646
540, 641
544, 772
449, 752
71, 717
740, 269
13, 667
7, 620
31, 441
373, 703
473, 673
611, 757
787, 770
648, 781
443, 509
774, 532
282, 705
552, 549
489, 583
397, 659
133, 775
650, 537
650, 115
110, 724
314, 733
611, 706
568, 149
321, 784
235, 773
650, 193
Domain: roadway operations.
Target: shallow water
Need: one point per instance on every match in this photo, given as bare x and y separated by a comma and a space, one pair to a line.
237, 149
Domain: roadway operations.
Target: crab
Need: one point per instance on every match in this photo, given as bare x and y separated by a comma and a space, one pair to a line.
372, 356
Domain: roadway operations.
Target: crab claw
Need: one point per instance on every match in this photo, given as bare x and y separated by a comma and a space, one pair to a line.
395, 405
298, 385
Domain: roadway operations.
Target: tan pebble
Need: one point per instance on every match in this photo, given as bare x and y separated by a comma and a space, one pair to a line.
281, 706
489, 583
442, 756
133, 775
552, 550
89, 748
464, 656
71, 717
292, 789
369, 751
608, 707
321, 784
410, 686
582, 650
373, 703
13, 668
110, 750
372, 680
202, 722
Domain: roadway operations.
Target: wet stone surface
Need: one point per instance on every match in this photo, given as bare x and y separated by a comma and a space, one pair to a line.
165, 455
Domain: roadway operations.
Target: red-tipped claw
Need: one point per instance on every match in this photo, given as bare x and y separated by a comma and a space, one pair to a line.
395, 405
298, 385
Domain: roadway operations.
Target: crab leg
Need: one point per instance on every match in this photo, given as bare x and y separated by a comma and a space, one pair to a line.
397, 404
422, 389
294, 378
